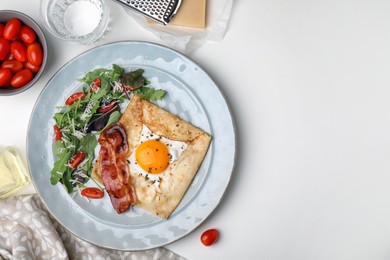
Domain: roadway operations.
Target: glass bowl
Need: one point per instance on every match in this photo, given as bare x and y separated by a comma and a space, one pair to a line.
82, 21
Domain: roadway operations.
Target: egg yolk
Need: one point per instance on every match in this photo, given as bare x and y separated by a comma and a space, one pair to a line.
152, 156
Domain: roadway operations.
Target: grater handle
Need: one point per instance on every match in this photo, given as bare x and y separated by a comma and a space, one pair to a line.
175, 7
161, 11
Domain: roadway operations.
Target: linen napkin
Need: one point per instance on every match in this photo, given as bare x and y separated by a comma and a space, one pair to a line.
28, 231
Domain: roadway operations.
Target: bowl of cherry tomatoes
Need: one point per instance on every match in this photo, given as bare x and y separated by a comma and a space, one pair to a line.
23, 52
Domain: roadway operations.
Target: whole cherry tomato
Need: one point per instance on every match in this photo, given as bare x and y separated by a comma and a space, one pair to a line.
95, 85
209, 237
57, 133
74, 97
9, 56
27, 34
33, 68
77, 159
35, 54
12, 29
21, 78
4, 48
93, 193
18, 50
5, 77
13, 65
1, 29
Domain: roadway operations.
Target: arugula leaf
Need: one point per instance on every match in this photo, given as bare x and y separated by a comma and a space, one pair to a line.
59, 168
114, 117
66, 180
150, 93
107, 74
117, 72
88, 144
56, 175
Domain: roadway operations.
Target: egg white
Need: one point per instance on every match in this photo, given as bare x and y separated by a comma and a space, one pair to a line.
175, 148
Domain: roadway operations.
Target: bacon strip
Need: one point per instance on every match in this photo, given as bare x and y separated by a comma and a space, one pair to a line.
114, 171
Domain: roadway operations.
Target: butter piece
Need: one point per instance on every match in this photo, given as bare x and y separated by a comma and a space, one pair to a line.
191, 13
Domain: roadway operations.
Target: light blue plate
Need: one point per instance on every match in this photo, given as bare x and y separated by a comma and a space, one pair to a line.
192, 95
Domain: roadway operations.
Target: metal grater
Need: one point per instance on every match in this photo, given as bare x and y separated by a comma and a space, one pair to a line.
161, 11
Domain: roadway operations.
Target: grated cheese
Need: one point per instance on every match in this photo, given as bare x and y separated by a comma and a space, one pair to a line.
88, 110
78, 134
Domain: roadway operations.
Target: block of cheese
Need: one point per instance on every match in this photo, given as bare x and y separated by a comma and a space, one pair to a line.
191, 13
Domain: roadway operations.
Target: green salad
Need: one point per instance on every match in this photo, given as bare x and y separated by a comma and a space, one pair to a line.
86, 113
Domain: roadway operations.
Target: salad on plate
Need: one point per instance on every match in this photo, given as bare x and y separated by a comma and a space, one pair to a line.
85, 114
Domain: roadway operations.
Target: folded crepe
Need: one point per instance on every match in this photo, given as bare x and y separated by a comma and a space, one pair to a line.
161, 199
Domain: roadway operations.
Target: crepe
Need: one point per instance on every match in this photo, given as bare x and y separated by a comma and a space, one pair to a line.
164, 198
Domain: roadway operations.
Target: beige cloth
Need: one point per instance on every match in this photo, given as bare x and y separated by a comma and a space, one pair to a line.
28, 231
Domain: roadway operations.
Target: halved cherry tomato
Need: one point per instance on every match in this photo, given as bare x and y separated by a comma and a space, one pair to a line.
93, 193
5, 77
57, 133
96, 84
33, 68
12, 28
106, 108
19, 51
209, 237
35, 54
13, 65
77, 159
74, 97
21, 78
27, 34
4, 48
129, 88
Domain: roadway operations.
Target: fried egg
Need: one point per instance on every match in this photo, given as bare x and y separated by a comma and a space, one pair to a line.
154, 155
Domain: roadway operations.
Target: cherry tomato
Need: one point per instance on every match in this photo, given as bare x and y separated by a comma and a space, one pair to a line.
5, 77
74, 97
106, 108
57, 133
35, 54
209, 237
13, 65
93, 193
9, 56
12, 29
19, 51
4, 48
21, 78
1, 29
33, 68
27, 34
95, 85
77, 159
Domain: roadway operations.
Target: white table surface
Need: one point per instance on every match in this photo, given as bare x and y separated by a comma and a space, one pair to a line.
309, 87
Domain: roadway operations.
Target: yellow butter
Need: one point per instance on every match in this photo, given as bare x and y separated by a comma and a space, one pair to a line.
191, 13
